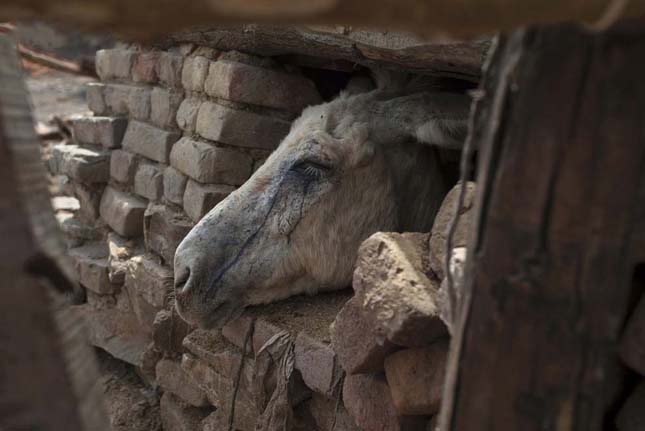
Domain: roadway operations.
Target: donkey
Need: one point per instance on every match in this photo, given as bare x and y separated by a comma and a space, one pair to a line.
347, 169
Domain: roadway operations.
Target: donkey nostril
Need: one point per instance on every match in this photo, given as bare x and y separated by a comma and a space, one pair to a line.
181, 278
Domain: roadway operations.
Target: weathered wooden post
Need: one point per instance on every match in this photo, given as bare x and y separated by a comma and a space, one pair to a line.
562, 199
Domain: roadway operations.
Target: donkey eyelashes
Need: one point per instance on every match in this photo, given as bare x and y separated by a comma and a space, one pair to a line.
312, 169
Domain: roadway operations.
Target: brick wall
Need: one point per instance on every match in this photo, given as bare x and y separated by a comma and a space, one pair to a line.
172, 134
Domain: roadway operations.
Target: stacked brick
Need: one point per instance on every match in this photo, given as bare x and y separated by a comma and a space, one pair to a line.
172, 134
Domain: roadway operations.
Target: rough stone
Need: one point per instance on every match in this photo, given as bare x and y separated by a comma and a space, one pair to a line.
89, 199
207, 163
199, 199
317, 364
174, 185
219, 390
85, 165
65, 203
632, 342
91, 265
105, 131
442, 223
75, 231
239, 128
123, 166
149, 141
258, 86
194, 73
172, 378
148, 181
187, 114
164, 104
392, 288
139, 103
235, 331
415, 377
368, 401
164, 228
95, 98
169, 331
169, 67
120, 250
357, 347
148, 284
116, 332
177, 416
631, 416
114, 63
324, 411
122, 212
144, 67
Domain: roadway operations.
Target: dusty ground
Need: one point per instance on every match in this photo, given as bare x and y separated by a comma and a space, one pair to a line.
131, 406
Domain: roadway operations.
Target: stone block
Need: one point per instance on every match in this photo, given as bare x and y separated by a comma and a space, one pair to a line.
122, 212
164, 105
240, 82
194, 73
235, 331
169, 331
144, 67
95, 98
82, 164
199, 199
150, 280
368, 401
172, 378
149, 141
219, 390
174, 185
89, 199
105, 131
123, 166
632, 341
187, 114
356, 345
178, 416
415, 377
207, 163
148, 181
239, 128
164, 228
317, 364
91, 267
117, 98
139, 103
169, 67
397, 297
116, 332
442, 223
326, 413
114, 64
631, 416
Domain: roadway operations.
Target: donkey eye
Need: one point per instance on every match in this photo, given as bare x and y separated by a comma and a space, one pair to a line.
311, 169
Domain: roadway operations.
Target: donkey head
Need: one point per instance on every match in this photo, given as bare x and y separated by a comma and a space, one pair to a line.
347, 169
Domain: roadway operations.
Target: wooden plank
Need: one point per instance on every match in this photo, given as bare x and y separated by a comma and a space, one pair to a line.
48, 380
549, 273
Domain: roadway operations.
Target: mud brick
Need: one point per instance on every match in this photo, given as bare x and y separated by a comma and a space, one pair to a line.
105, 131
357, 347
187, 114
122, 212
164, 228
144, 67
178, 416
174, 185
91, 265
207, 163
148, 181
83, 164
169, 67
149, 141
194, 73
259, 86
239, 128
172, 378
169, 331
114, 63
123, 166
415, 377
164, 106
199, 199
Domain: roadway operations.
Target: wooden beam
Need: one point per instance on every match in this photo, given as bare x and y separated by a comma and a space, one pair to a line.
48, 380
145, 18
562, 182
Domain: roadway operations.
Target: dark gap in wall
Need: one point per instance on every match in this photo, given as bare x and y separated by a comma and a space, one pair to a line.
328, 82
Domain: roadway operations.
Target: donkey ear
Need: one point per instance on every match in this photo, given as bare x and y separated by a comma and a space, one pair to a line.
439, 119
